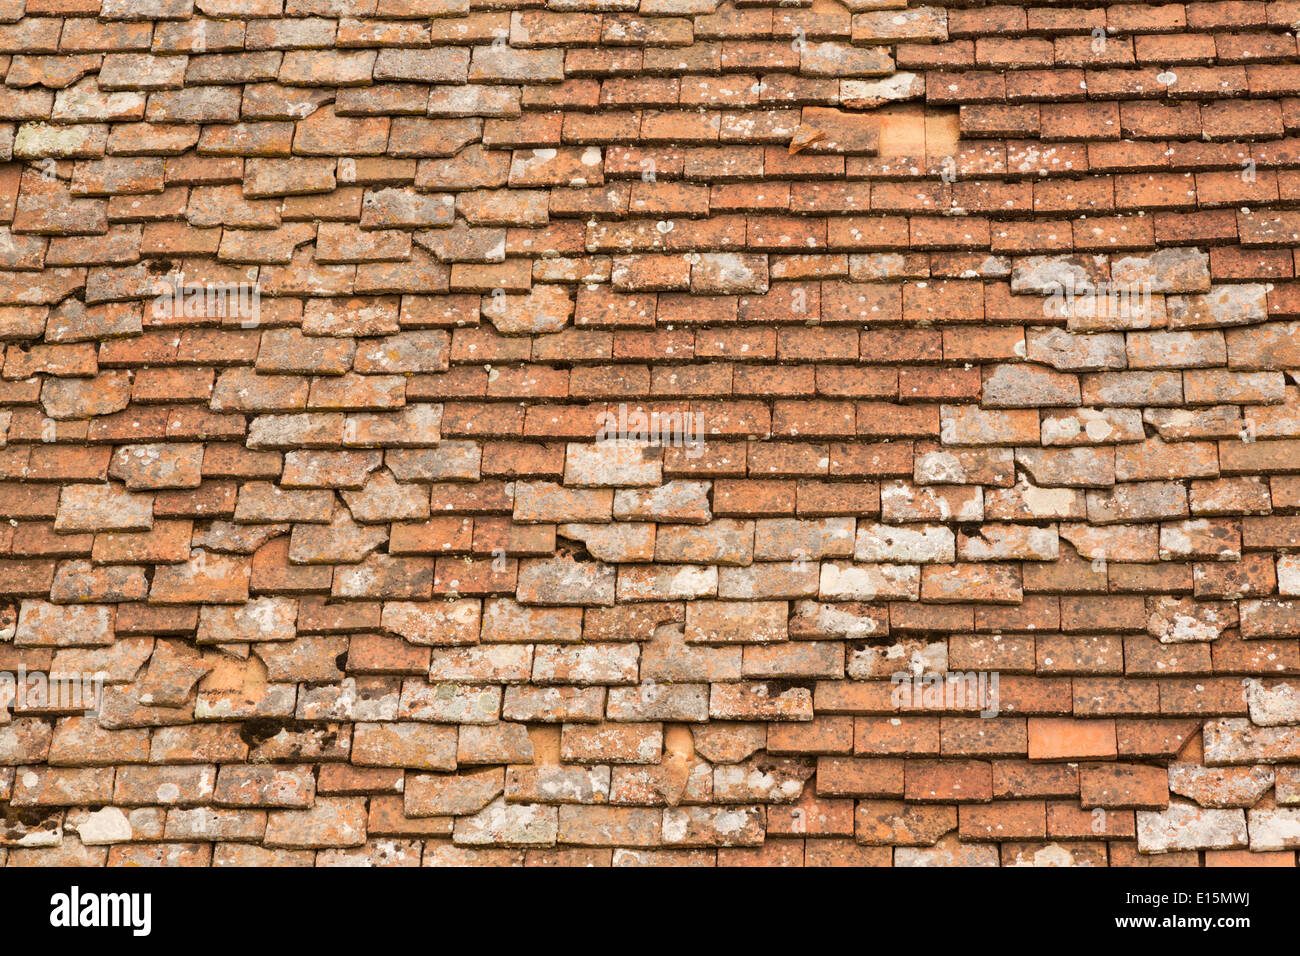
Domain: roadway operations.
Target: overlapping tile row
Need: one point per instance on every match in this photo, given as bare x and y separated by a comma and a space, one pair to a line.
629, 432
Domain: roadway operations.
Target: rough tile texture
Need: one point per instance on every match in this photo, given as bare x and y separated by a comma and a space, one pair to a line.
650, 431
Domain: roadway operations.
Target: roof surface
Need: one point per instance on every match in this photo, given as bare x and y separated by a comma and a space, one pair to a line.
631, 432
